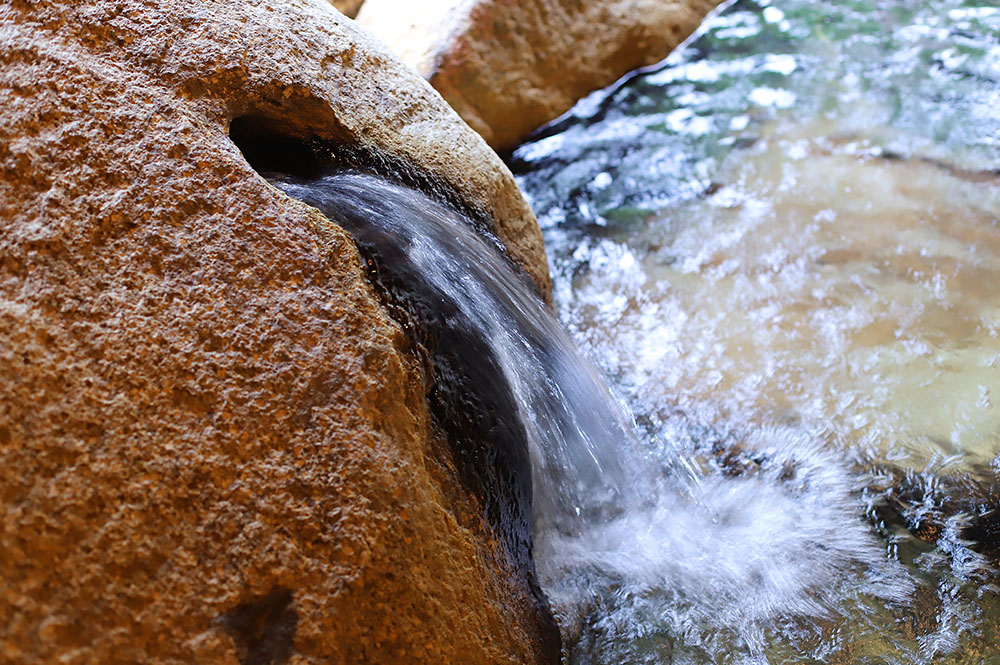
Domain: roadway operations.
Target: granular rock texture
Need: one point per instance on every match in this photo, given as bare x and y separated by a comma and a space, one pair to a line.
215, 445
509, 67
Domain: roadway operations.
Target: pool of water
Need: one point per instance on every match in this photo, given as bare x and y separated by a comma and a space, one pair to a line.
782, 245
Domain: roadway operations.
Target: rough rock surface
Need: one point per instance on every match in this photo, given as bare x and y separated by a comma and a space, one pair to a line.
215, 445
509, 67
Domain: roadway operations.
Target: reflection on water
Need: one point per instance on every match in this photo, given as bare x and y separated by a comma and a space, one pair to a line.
817, 282
783, 245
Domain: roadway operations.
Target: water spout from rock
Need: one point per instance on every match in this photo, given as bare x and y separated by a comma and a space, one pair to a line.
576, 432
620, 519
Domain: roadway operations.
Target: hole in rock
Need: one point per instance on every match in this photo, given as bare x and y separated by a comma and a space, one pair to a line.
269, 148
263, 630
278, 149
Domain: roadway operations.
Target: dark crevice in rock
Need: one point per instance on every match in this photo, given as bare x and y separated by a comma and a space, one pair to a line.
268, 149
274, 146
263, 630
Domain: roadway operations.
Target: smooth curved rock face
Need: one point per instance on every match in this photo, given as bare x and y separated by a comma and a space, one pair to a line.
347, 7
215, 445
510, 67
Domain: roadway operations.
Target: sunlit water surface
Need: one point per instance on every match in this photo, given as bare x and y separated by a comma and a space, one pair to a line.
783, 246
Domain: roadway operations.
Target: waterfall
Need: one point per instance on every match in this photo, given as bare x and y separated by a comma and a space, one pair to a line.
575, 429
618, 525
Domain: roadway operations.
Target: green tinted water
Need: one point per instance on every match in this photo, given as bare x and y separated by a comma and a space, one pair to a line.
792, 226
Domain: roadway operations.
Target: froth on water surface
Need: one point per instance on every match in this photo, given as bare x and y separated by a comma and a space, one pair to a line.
783, 247
693, 576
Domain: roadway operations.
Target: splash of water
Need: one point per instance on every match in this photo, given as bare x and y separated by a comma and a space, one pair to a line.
795, 219
621, 521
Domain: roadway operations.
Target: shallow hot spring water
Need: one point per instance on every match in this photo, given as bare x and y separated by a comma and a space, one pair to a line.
782, 247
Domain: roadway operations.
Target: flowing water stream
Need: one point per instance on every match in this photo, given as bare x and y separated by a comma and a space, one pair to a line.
782, 246
581, 440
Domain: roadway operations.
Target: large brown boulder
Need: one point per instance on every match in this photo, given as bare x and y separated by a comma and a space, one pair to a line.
509, 67
215, 444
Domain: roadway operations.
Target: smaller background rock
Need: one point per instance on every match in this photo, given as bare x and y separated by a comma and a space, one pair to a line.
347, 7
510, 67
